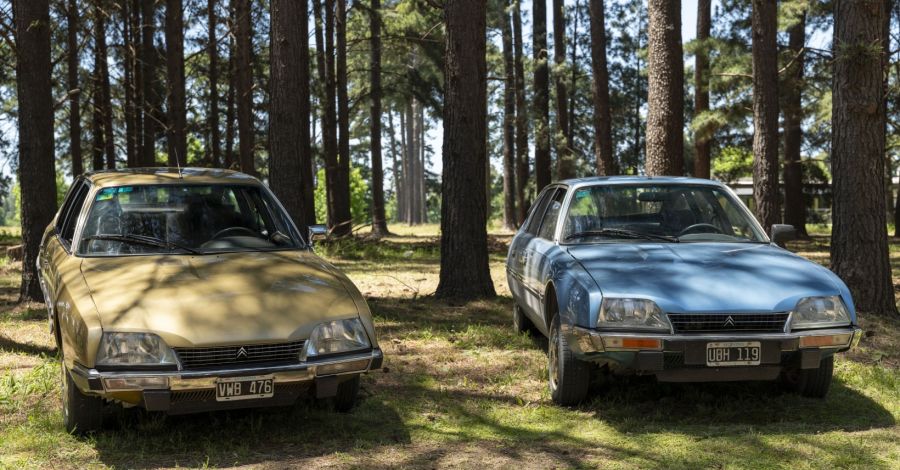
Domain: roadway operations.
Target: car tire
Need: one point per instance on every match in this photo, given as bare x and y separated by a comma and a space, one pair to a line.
82, 414
347, 391
813, 383
569, 377
521, 323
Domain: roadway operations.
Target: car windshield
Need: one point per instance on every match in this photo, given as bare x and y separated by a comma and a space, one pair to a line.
675, 213
153, 219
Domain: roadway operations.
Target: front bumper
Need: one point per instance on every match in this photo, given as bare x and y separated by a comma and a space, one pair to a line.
188, 391
682, 357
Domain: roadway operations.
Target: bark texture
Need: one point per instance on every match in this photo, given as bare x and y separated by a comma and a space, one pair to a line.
565, 166
37, 176
794, 202
859, 248
665, 93
342, 217
509, 122
765, 112
244, 87
74, 92
150, 88
215, 134
379, 220
542, 173
464, 256
701, 88
602, 121
175, 99
521, 117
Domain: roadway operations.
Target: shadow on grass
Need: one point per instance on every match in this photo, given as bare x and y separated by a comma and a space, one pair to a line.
10, 345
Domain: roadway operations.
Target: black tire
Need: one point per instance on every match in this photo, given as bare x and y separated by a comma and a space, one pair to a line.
521, 323
347, 392
82, 414
570, 378
812, 383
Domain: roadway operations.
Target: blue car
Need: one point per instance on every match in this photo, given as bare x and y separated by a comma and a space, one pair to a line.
672, 277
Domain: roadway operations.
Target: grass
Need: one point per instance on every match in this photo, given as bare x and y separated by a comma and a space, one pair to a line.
460, 389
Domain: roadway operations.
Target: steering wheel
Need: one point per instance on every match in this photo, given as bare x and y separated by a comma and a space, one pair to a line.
706, 228
222, 233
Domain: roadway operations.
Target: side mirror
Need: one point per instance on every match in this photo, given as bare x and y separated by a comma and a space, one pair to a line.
782, 233
317, 232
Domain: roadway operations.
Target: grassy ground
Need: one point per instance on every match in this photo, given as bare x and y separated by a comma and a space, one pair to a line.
459, 389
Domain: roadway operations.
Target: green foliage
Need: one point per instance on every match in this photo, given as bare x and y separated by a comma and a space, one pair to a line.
732, 163
359, 197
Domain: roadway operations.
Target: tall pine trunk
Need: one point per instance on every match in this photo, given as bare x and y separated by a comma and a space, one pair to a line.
859, 247
128, 83
509, 122
98, 134
74, 93
794, 203
343, 217
36, 172
565, 166
290, 170
215, 146
244, 87
137, 108
542, 164
665, 93
230, 96
464, 254
379, 222
603, 148
765, 112
175, 100
150, 84
521, 117
701, 88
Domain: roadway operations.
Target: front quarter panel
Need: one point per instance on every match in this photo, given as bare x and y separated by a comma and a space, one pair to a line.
577, 295
79, 322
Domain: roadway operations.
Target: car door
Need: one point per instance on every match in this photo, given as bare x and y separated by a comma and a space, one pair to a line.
536, 263
518, 250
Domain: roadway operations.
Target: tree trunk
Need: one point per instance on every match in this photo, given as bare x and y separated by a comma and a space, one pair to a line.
464, 255
152, 98
665, 93
109, 148
290, 169
509, 122
329, 114
72, 16
794, 204
859, 248
701, 88
765, 112
175, 100
542, 172
603, 148
128, 83
342, 190
395, 164
521, 117
137, 107
565, 166
573, 80
379, 222
244, 91
37, 176
215, 147
409, 162
98, 136
229, 99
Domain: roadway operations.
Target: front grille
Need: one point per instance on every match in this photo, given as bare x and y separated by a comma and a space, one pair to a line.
198, 358
718, 322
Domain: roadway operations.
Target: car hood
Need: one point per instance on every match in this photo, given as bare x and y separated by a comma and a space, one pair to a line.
706, 277
259, 297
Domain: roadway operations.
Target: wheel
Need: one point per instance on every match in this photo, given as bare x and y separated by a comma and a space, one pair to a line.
813, 383
569, 377
521, 323
347, 391
82, 414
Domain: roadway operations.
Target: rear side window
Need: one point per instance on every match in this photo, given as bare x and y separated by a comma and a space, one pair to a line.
537, 214
67, 205
68, 227
551, 217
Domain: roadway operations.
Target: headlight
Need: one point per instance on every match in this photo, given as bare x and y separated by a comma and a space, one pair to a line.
336, 337
820, 312
121, 349
631, 313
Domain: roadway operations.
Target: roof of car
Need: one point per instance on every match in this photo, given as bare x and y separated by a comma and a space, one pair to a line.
593, 180
164, 175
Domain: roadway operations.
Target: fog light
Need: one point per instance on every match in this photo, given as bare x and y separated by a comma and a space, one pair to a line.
136, 383
824, 341
618, 342
342, 367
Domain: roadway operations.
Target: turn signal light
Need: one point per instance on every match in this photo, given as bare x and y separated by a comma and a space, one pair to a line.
136, 383
824, 341
342, 367
617, 342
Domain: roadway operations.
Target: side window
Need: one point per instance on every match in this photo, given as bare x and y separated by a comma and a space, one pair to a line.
68, 227
537, 213
551, 217
67, 205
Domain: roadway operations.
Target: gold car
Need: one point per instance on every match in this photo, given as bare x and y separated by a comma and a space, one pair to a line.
192, 290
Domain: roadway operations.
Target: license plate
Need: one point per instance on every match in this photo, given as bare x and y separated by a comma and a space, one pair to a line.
736, 353
245, 388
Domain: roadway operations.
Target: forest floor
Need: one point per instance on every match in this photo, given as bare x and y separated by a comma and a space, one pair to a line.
460, 389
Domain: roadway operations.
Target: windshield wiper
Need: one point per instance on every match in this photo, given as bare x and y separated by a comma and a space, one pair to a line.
143, 240
618, 232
